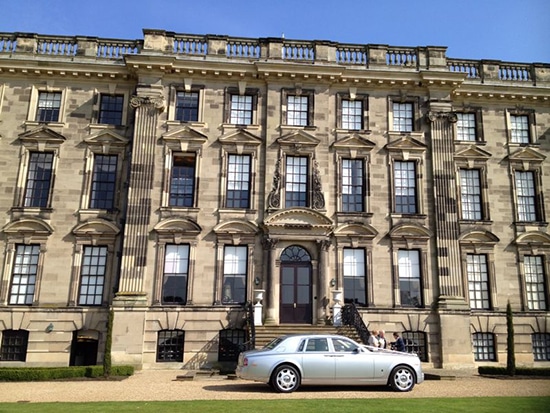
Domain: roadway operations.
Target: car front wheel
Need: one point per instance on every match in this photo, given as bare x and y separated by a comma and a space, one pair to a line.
285, 379
402, 379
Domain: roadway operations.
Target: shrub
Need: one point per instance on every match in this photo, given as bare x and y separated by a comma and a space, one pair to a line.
520, 371
56, 373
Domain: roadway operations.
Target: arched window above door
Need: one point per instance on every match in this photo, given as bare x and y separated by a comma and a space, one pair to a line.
295, 253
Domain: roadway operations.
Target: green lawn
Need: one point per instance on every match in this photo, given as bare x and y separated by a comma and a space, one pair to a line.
472, 404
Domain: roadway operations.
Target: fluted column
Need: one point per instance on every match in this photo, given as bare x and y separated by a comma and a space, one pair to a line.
138, 215
322, 287
446, 208
270, 245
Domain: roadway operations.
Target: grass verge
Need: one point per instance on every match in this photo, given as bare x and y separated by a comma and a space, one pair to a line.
447, 405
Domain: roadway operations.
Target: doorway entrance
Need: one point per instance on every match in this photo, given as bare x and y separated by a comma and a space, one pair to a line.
295, 305
84, 348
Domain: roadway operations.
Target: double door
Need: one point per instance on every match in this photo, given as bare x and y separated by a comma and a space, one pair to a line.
296, 307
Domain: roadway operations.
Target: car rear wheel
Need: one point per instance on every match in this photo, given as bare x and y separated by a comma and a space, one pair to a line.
402, 378
285, 379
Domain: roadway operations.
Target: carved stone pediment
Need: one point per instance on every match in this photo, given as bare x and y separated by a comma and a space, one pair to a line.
479, 237
108, 137
239, 139
237, 231
41, 138
472, 152
185, 138
302, 222
237, 227
298, 139
532, 238
28, 226
527, 156
96, 227
355, 234
353, 143
410, 231
406, 144
178, 225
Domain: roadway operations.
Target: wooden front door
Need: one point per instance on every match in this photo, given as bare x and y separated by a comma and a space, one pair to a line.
296, 288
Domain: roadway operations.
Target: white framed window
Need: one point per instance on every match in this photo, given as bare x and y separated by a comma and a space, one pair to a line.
354, 271
470, 194
484, 346
235, 264
526, 196
466, 127
402, 117
176, 274
541, 346
353, 185
92, 277
478, 281
297, 181
409, 273
238, 181
535, 286
24, 274
405, 187
519, 129
240, 112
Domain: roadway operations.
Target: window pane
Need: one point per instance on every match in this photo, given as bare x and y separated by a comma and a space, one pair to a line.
49, 104
526, 196
352, 114
470, 187
170, 345
354, 276
353, 185
408, 263
519, 128
104, 182
187, 106
297, 110
92, 278
238, 181
484, 347
234, 274
110, 110
39, 178
534, 282
478, 281
241, 110
541, 346
24, 273
402, 117
466, 127
14, 345
405, 187
182, 183
176, 267
296, 181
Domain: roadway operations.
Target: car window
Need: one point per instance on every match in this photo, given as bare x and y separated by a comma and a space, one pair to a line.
317, 344
274, 343
341, 344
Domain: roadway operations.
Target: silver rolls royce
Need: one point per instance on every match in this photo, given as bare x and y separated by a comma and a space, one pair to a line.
290, 361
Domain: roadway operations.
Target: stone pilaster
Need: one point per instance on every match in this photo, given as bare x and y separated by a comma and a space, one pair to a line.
322, 288
271, 315
136, 232
446, 208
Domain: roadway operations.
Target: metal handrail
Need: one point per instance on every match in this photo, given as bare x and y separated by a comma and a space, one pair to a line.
250, 328
351, 317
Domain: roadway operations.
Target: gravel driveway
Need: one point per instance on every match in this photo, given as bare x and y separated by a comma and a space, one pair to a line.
151, 385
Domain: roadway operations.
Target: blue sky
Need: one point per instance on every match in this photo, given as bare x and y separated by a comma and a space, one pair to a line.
507, 30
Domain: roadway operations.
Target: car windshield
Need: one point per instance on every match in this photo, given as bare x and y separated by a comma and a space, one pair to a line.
274, 343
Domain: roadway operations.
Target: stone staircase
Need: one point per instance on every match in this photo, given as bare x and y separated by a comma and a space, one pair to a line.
266, 333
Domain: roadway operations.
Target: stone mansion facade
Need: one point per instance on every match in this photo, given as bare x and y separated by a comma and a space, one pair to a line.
171, 179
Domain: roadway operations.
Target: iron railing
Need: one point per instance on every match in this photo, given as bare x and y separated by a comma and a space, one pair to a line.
250, 343
351, 317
